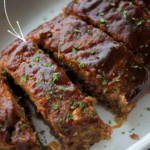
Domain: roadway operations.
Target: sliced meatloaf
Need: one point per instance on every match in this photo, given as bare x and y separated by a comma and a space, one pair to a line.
69, 113
107, 69
121, 19
15, 131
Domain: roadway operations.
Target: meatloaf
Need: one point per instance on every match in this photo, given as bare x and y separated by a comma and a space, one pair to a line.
70, 114
15, 131
107, 69
121, 19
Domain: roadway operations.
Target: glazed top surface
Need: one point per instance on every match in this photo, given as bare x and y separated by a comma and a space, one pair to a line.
55, 96
123, 20
14, 130
94, 51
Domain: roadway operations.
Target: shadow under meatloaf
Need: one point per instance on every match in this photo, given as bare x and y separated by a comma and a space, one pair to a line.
108, 70
69, 113
15, 131
121, 19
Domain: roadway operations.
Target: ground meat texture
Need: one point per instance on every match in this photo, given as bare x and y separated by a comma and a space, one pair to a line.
69, 113
113, 74
123, 20
15, 131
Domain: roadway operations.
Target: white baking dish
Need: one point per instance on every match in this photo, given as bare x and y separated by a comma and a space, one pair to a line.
30, 14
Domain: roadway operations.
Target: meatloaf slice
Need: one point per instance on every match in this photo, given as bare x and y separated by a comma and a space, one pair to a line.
121, 19
69, 113
108, 70
15, 131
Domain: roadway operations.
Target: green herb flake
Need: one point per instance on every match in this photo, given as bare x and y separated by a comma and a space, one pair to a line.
112, 4
78, 37
102, 14
32, 47
1, 126
89, 32
100, 35
74, 50
103, 20
36, 59
117, 80
40, 31
77, 31
71, 90
130, 3
24, 78
55, 78
70, 117
12, 138
55, 106
81, 65
81, 105
69, 32
97, 56
62, 88
116, 47
69, 103
118, 10
75, 46
125, 13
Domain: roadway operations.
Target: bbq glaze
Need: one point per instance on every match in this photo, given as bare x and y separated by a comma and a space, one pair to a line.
95, 53
123, 20
68, 112
15, 131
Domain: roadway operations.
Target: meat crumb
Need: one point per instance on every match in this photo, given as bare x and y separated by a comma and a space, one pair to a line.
134, 136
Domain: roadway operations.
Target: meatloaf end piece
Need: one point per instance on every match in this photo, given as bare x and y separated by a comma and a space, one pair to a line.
69, 113
107, 69
121, 19
15, 131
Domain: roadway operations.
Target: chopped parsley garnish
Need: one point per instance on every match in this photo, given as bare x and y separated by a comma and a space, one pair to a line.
125, 61
78, 2
32, 47
71, 90
62, 88
93, 114
12, 138
82, 65
116, 79
64, 38
69, 103
112, 4
130, 3
125, 13
118, 10
24, 78
97, 56
38, 81
45, 73
81, 105
75, 46
100, 35
74, 50
103, 20
89, 31
116, 47
40, 31
104, 80
75, 104
55, 106
78, 37
3, 72
55, 76
69, 32
70, 117
92, 51
77, 31
36, 59
102, 14
1, 126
